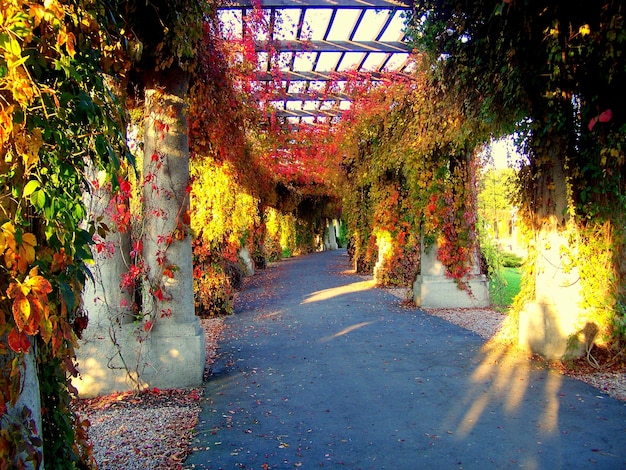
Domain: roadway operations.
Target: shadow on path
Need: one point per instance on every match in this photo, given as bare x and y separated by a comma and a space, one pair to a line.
319, 369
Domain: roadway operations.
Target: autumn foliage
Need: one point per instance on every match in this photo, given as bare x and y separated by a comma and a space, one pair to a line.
399, 167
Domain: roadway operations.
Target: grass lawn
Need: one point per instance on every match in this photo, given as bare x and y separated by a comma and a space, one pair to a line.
513, 278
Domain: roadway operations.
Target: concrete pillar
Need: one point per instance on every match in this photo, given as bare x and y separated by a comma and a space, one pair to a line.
433, 289
549, 325
165, 348
244, 255
101, 355
337, 226
330, 237
30, 399
385, 246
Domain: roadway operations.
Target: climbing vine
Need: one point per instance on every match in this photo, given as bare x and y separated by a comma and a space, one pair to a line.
410, 174
57, 112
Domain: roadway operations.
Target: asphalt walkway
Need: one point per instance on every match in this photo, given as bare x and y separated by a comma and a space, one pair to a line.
319, 369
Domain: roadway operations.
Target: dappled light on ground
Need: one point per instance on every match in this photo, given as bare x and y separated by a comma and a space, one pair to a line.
327, 294
503, 378
347, 330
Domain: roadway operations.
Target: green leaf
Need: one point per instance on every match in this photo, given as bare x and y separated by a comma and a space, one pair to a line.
38, 199
30, 188
101, 147
67, 293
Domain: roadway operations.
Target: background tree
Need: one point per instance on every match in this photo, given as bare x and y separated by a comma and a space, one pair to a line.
494, 200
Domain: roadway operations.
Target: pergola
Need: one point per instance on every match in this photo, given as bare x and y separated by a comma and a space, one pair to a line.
319, 41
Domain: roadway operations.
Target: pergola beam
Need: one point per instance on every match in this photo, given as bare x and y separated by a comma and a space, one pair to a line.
309, 96
301, 113
300, 90
333, 46
376, 4
310, 76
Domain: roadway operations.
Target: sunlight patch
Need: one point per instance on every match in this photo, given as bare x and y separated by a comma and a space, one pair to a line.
337, 291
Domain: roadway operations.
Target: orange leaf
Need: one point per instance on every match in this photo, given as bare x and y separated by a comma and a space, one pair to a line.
39, 285
16, 289
21, 312
69, 45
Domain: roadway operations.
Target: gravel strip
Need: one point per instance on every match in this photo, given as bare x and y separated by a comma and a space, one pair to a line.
485, 322
142, 443
151, 430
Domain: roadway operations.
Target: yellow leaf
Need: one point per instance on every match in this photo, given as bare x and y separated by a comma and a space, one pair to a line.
9, 233
29, 239
584, 30
30, 152
54, 10
22, 255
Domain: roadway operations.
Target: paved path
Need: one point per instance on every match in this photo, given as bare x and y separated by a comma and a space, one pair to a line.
324, 371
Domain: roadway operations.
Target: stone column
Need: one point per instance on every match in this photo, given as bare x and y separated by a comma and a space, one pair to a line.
330, 237
163, 346
30, 399
174, 354
106, 347
244, 254
433, 289
549, 324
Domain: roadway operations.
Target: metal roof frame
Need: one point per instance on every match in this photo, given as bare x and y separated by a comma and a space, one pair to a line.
294, 102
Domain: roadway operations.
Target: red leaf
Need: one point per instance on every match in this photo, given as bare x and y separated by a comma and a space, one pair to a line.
159, 294
18, 341
124, 185
605, 116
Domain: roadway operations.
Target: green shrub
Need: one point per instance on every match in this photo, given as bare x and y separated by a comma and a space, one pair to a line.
342, 237
510, 260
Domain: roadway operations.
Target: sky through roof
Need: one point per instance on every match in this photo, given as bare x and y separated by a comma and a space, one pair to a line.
317, 41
